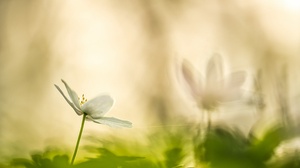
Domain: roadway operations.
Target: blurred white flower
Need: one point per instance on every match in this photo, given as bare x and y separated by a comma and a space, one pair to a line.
94, 109
216, 89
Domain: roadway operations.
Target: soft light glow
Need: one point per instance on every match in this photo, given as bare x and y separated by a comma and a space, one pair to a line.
293, 5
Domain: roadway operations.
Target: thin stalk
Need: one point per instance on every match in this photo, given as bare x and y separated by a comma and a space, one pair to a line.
78, 139
208, 120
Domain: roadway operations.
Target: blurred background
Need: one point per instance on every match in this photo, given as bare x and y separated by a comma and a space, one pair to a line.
133, 51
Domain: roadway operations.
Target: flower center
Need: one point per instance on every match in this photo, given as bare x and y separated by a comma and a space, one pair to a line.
210, 101
82, 100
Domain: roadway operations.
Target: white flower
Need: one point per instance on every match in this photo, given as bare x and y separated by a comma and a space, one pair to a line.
94, 109
216, 89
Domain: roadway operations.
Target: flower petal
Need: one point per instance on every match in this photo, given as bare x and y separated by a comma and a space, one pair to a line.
194, 83
73, 95
98, 106
236, 79
113, 122
232, 94
214, 71
232, 88
69, 102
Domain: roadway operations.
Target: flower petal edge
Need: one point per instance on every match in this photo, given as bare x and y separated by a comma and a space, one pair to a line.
69, 102
72, 94
113, 122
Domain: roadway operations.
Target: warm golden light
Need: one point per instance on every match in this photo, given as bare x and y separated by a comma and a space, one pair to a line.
134, 50
293, 5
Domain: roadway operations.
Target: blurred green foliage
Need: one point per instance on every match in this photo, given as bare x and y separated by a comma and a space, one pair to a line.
40, 161
221, 147
165, 149
224, 148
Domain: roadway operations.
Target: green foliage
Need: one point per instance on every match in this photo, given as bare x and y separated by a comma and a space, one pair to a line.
40, 161
174, 157
221, 147
262, 150
165, 150
226, 148
110, 160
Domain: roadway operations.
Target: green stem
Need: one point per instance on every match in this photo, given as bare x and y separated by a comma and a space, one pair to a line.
208, 120
78, 139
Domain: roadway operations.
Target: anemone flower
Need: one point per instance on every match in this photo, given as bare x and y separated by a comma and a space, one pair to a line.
93, 110
216, 89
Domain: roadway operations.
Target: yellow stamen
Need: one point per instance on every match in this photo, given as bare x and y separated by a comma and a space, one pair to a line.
82, 100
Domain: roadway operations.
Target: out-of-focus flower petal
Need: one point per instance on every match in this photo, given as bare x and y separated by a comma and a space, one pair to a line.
236, 79
73, 95
232, 89
194, 83
113, 122
214, 71
69, 102
216, 90
98, 106
232, 94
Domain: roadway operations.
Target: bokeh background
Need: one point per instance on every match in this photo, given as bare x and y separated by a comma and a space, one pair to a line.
133, 50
